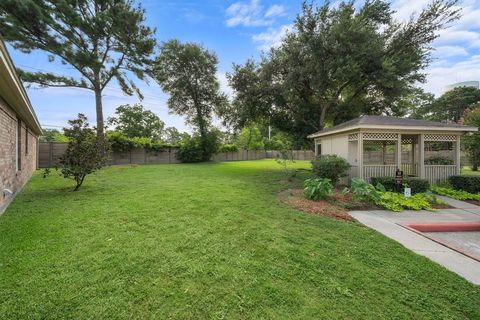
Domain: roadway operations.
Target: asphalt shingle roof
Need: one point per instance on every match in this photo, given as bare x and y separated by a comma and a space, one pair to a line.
390, 121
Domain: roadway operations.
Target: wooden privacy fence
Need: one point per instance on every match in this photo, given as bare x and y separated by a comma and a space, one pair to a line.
50, 152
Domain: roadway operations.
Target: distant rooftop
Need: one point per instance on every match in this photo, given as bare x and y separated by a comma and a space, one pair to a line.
394, 123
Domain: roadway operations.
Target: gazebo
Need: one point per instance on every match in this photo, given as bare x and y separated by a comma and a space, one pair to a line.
376, 146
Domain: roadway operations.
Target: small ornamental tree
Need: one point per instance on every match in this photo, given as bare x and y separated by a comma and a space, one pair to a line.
81, 157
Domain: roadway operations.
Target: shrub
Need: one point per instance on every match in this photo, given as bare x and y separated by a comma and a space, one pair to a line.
228, 148
120, 142
418, 185
82, 155
397, 202
196, 149
466, 183
363, 190
315, 189
455, 194
331, 167
190, 150
439, 160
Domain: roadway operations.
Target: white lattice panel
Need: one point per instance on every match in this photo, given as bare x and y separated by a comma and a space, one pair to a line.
380, 136
440, 137
353, 137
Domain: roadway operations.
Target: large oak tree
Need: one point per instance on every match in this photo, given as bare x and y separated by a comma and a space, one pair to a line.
337, 63
101, 39
187, 71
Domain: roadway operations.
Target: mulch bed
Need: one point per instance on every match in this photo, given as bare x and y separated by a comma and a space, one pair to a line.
337, 206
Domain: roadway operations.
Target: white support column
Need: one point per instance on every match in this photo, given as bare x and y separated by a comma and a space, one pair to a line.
457, 155
398, 159
360, 155
421, 156
316, 147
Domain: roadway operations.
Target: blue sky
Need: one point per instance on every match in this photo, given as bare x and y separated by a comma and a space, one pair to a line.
237, 30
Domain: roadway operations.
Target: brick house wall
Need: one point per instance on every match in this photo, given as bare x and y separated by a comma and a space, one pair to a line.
10, 177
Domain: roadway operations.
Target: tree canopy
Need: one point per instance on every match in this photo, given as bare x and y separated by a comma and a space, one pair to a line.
187, 71
136, 122
337, 63
451, 105
101, 39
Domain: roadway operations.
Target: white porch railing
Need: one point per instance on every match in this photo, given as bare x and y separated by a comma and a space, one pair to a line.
378, 170
436, 173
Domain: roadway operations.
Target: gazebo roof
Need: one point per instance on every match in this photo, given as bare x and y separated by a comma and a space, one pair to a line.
383, 122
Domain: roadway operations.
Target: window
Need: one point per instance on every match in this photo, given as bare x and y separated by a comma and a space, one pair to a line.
19, 145
26, 141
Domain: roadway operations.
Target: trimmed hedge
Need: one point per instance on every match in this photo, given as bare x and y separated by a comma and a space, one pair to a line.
418, 185
331, 167
465, 183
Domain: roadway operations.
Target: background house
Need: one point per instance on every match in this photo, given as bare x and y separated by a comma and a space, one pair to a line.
375, 146
19, 131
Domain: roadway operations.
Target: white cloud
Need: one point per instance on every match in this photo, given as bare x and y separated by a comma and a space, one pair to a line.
275, 10
457, 47
252, 14
272, 37
450, 51
440, 76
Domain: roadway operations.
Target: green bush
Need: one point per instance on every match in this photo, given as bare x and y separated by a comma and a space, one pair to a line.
439, 160
228, 148
363, 190
315, 189
455, 194
466, 183
196, 149
393, 201
418, 185
190, 151
331, 167
118, 141
397, 202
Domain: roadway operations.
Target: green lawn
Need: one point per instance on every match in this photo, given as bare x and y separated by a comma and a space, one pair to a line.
205, 241
468, 171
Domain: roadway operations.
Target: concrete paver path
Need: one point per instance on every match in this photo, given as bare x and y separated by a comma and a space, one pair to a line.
389, 224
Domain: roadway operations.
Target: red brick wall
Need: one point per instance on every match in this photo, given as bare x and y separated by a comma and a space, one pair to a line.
10, 178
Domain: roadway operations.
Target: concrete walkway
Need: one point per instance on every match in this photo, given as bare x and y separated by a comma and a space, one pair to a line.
389, 224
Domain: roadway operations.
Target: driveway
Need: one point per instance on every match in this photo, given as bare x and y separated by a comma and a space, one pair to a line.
393, 225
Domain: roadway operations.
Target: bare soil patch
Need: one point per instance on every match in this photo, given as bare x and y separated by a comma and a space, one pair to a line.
336, 206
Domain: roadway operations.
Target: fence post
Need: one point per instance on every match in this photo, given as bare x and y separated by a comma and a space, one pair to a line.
50, 150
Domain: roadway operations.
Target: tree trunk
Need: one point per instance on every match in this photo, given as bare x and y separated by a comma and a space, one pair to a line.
321, 122
100, 126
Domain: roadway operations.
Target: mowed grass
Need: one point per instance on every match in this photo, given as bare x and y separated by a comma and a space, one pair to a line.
206, 241
469, 172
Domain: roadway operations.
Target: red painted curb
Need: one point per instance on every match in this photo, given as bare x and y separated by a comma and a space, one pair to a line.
445, 226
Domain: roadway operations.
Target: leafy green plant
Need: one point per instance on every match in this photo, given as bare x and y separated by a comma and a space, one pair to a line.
469, 184
363, 190
455, 194
418, 185
397, 202
315, 189
331, 167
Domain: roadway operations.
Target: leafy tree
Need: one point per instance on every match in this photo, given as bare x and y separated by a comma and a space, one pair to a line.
193, 148
188, 73
471, 142
136, 122
250, 138
451, 106
81, 157
101, 39
52, 135
336, 64
172, 136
